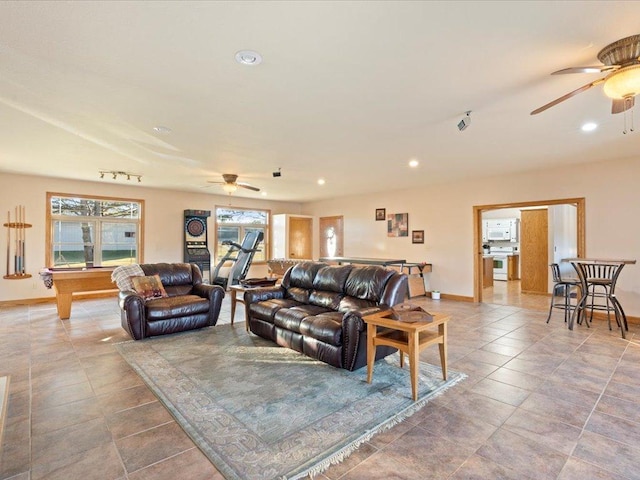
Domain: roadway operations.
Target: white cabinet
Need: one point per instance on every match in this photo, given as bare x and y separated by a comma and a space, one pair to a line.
292, 236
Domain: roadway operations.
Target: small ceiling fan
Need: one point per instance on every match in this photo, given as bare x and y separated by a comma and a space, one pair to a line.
621, 61
231, 184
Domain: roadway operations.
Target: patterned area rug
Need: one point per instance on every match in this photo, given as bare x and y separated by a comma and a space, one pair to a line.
259, 411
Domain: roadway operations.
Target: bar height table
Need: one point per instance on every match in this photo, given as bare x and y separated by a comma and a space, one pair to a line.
585, 267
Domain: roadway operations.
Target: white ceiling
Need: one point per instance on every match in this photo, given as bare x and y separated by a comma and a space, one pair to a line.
347, 91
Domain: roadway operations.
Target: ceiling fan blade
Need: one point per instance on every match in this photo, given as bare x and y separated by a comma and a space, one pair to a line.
622, 104
595, 69
567, 96
248, 187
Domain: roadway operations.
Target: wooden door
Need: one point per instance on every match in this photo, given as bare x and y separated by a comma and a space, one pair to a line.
331, 236
534, 251
300, 237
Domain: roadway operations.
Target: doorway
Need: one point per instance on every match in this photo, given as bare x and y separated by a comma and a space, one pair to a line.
331, 236
478, 210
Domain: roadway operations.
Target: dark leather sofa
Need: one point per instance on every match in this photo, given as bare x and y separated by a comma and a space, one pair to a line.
191, 304
317, 310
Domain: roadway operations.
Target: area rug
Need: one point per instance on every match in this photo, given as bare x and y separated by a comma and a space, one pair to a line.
260, 411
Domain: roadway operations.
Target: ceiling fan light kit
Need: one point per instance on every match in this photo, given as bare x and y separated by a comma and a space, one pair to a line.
229, 188
621, 61
623, 83
230, 184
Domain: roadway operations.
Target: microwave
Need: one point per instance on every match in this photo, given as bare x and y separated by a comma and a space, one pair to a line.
505, 230
499, 233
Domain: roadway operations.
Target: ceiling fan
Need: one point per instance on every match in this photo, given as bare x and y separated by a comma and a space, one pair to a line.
230, 184
621, 61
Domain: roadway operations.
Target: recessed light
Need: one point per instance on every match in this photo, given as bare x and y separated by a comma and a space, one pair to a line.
321, 181
264, 194
248, 57
161, 129
589, 127
413, 163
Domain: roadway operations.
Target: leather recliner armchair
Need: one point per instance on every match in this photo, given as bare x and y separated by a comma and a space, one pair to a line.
190, 304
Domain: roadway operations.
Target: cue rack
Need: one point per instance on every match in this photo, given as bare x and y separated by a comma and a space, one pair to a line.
19, 252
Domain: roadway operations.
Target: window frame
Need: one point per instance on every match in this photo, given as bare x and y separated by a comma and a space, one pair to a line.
266, 242
50, 218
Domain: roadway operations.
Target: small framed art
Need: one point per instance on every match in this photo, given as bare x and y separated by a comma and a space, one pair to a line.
381, 214
417, 236
398, 225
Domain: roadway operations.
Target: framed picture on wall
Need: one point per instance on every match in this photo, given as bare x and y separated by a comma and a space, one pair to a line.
398, 225
381, 214
417, 236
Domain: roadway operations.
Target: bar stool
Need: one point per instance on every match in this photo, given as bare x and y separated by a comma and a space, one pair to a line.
599, 281
562, 287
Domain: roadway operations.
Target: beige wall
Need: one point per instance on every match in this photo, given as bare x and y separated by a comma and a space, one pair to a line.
164, 210
444, 212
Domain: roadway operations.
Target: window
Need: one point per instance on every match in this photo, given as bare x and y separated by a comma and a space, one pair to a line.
93, 231
233, 223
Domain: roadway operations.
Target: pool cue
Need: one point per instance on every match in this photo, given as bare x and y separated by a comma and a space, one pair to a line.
15, 253
8, 239
19, 230
19, 272
24, 235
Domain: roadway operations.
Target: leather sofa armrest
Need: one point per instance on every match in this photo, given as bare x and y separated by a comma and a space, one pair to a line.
133, 311
207, 291
354, 330
213, 293
260, 294
355, 317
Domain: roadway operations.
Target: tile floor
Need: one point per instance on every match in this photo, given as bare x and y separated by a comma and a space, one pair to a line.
539, 402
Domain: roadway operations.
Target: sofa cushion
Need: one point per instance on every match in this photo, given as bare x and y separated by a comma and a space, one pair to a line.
149, 287
332, 278
326, 327
329, 300
266, 309
177, 278
367, 283
302, 275
353, 303
171, 307
300, 295
290, 318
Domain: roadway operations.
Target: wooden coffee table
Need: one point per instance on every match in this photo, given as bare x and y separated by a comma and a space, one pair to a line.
409, 338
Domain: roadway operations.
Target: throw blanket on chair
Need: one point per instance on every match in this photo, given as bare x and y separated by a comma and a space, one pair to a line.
122, 276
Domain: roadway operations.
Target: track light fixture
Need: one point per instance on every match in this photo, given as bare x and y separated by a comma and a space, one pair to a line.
116, 173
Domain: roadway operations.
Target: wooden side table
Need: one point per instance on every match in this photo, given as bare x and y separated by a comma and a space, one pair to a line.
234, 290
408, 337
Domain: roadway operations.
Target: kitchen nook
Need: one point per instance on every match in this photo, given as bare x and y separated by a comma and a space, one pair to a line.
501, 250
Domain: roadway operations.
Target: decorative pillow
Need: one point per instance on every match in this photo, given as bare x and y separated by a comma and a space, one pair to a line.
122, 276
149, 287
